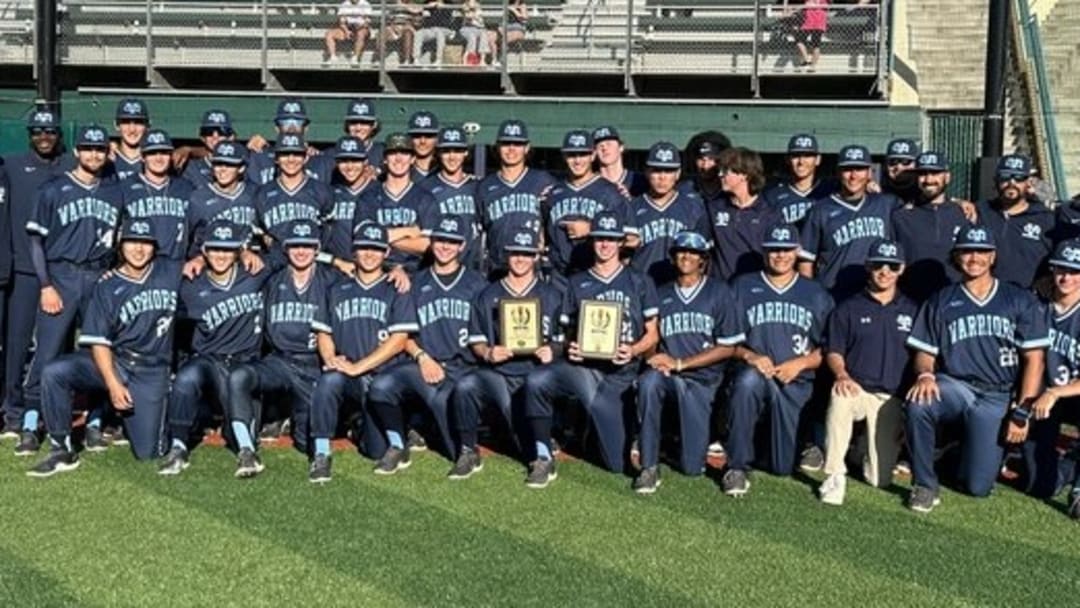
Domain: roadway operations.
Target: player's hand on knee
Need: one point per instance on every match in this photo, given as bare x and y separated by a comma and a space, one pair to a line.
399, 279
662, 363
788, 371
623, 355
545, 354
120, 397
573, 352
51, 302
925, 390
846, 387
193, 268
762, 364
431, 371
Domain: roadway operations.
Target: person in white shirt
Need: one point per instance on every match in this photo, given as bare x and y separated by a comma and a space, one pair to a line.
353, 23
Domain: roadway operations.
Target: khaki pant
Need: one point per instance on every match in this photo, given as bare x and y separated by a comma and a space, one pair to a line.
884, 422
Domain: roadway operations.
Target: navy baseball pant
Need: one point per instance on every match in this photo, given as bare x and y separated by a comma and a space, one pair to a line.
22, 308
1047, 471
981, 412
394, 389
752, 396
694, 402
203, 379
148, 385
291, 378
602, 395
478, 389
333, 393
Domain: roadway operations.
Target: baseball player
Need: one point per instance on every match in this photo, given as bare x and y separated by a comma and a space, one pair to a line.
571, 206
785, 328
609, 155
454, 192
978, 344
424, 131
5, 263
291, 119
794, 196
925, 228
132, 123
705, 182
362, 124
661, 213
1067, 219
228, 197
361, 330
1020, 226
899, 179
599, 386
840, 229
226, 306
127, 335
350, 181
509, 199
699, 328
866, 355
215, 127
71, 244
499, 379
154, 195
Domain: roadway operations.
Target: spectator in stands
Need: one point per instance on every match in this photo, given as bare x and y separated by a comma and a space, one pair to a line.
517, 19
814, 23
474, 31
402, 29
353, 24
434, 27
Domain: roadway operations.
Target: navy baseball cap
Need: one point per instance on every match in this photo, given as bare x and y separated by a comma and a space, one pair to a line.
605, 133
524, 241
931, 162
132, 109
664, 155
43, 117
222, 234
688, 240
885, 250
1066, 254
156, 140
398, 142
854, 157
92, 136
607, 225
291, 109
452, 138
974, 237
303, 233
360, 110
216, 120
708, 149
513, 131
902, 149
290, 142
781, 236
349, 148
1013, 165
423, 123
228, 153
803, 143
137, 229
449, 228
369, 235
577, 141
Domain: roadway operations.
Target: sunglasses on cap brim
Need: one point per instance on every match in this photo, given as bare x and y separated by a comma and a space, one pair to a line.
892, 266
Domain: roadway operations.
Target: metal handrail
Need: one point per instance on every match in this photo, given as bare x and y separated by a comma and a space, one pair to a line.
1050, 144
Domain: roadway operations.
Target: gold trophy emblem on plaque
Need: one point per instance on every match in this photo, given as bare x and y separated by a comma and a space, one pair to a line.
519, 324
599, 325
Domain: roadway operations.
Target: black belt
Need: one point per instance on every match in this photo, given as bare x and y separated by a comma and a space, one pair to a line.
134, 359
988, 387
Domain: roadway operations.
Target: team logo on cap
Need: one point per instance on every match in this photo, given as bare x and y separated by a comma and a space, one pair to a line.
512, 130
576, 140
290, 140
139, 228
1032, 231
448, 225
601, 133
361, 108
523, 238
1014, 162
608, 223
781, 234
155, 137
901, 147
132, 107
216, 117
977, 235
452, 135
903, 323
423, 120
1071, 254
226, 149
930, 159
43, 116
887, 250
665, 155
291, 107
373, 232
223, 233
94, 135
804, 142
349, 145
301, 230
853, 154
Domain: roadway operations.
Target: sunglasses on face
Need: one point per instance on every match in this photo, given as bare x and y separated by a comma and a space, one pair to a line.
1016, 179
214, 132
39, 131
290, 123
892, 266
900, 162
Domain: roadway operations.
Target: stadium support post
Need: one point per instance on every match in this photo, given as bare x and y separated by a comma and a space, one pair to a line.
994, 98
45, 51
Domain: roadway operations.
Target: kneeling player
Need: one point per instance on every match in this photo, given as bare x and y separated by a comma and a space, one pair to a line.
699, 328
128, 328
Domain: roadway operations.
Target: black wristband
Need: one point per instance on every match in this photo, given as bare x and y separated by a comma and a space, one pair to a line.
1021, 415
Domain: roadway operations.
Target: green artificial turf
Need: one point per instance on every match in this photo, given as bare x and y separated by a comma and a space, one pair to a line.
114, 533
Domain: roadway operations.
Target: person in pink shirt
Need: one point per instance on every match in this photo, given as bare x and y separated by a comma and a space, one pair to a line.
814, 23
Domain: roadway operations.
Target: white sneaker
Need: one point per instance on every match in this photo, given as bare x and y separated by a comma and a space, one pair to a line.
354, 61
716, 449
832, 489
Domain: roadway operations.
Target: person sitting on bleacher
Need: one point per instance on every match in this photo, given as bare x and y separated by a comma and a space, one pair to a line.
434, 27
474, 32
353, 24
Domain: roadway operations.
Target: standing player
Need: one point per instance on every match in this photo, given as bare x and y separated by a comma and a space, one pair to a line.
160, 199
349, 182
795, 196
499, 379
216, 127
454, 192
228, 197
977, 343
899, 179
291, 119
71, 244
785, 327
128, 337
361, 330
132, 122
423, 130
1020, 226
699, 328
360, 123
609, 155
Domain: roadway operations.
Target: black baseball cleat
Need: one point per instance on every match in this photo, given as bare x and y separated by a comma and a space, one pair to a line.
923, 500
735, 483
115, 435
468, 462
271, 431
248, 464
541, 473
28, 444
95, 440
319, 471
647, 481
59, 460
416, 441
394, 460
812, 459
176, 460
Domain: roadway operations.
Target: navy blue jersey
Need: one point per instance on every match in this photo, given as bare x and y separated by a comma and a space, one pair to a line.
656, 227
1023, 241
323, 167
5, 227
77, 221
1067, 220
633, 290
696, 319
507, 207
837, 237
1063, 355
199, 172
210, 204
444, 311
783, 323
693, 185
414, 206
419, 175
976, 340
485, 325
135, 315
277, 208
26, 174
227, 316
262, 167
870, 336
165, 207
736, 235
290, 310
926, 232
346, 206
360, 317
567, 202
793, 203
460, 199
123, 168
634, 183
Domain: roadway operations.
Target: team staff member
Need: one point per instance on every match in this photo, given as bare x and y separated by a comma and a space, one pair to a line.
158, 198
128, 337
132, 123
866, 355
226, 305
228, 197
499, 378
899, 179
423, 131
705, 182
601, 387
785, 328
361, 329
795, 196
349, 182
215, 128
977, 344
1021, 226
71, 244
699, 328
609, 156
454, 192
